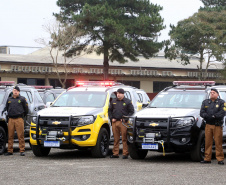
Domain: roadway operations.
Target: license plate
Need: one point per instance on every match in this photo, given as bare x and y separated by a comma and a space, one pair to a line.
150, 146
51, 143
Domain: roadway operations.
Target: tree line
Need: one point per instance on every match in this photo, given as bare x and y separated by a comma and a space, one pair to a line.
122, 30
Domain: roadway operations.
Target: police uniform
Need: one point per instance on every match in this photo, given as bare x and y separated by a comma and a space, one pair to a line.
118, 109
17, 108
213, 113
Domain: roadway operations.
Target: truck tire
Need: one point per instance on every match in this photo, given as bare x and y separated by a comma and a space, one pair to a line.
2, 140
40, 151
198, 153
136, 153
102, 146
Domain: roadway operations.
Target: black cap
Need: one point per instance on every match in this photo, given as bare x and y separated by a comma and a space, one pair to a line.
17, 88
215, 90
120, 91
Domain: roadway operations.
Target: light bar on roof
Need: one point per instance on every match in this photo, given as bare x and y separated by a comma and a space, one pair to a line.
193, 83
5, 83
95, 83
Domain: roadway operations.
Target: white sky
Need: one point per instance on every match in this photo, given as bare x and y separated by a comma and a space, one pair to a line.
21, 20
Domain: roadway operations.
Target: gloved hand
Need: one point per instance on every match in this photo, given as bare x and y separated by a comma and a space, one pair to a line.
210, 118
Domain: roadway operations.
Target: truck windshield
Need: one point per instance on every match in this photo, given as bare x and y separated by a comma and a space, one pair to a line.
2, 94
81, 99
179, 99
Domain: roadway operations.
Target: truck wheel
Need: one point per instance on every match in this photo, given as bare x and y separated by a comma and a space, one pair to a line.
2, 140
136, 153
102, 146
198, 153
40, 151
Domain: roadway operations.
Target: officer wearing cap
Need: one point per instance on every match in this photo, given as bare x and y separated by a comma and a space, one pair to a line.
213, 112
17, 108
118, 108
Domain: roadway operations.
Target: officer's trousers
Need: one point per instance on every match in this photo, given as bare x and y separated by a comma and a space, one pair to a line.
118, 127
18, 125
216, 132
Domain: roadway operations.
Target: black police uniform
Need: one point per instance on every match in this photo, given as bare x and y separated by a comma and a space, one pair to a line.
213, 113
17, 108
118, 109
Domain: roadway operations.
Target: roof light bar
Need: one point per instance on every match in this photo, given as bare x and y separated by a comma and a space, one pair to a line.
96, 83
7, 83
194, 83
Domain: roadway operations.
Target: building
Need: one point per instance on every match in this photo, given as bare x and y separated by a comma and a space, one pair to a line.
152, 74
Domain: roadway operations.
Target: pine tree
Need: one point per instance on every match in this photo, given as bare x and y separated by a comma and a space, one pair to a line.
121, 30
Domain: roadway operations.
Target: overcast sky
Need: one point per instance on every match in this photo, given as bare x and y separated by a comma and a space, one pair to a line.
21, 20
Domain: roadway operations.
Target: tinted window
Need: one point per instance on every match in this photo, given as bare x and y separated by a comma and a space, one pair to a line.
41, 94
136, 96
30, 96
24, 94
50, 98
2, 94
81, 99
186, 99
140, 96
127, 95
38, 97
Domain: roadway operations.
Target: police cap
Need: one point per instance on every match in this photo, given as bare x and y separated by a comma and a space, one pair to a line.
213, 89
121, 91
17, 88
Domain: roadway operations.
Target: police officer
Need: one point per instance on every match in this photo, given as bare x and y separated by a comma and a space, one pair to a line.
17, 108
213, 112
118, 108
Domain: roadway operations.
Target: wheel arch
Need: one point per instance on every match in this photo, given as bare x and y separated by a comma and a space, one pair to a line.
4, 126
106, 126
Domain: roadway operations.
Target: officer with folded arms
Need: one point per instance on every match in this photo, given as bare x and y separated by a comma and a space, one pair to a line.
118, 108
17, 108
213, 112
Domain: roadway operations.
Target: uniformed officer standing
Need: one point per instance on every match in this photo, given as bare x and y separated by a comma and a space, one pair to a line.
118, 108
213, 112
17, 108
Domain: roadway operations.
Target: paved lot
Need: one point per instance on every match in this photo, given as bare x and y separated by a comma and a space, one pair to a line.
77, 167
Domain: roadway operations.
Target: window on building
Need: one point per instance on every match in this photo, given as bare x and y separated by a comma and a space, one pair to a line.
131, 83
56, 83
31, 81
159, 86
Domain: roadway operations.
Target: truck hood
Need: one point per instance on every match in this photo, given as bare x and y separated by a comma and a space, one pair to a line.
166, 112
68, 111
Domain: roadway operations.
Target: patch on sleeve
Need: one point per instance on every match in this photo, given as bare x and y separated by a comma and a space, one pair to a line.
206, 106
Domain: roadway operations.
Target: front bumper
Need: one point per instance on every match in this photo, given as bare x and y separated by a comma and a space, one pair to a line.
162, 132
66, 134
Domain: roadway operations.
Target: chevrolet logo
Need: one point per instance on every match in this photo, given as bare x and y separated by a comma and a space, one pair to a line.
56, 122
154, 124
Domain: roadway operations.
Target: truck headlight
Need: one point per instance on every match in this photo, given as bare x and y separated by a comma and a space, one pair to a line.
85, 120
131, 121
34, 119
184, 122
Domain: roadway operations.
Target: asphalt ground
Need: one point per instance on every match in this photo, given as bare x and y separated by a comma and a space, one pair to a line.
78, 167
